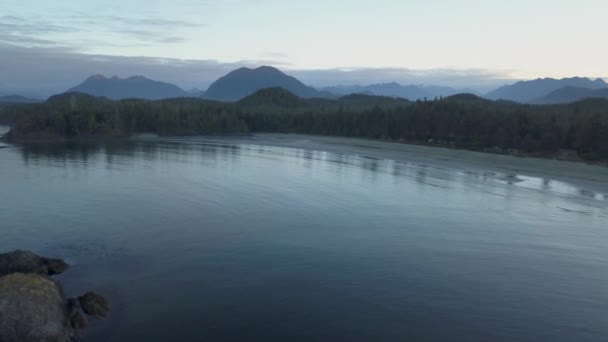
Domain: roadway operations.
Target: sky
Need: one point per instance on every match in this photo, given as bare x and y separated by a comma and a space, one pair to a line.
478, 44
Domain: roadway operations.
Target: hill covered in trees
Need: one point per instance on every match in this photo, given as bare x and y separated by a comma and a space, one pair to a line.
462, 121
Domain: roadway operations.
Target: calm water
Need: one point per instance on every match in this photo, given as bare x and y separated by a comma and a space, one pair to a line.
219, 240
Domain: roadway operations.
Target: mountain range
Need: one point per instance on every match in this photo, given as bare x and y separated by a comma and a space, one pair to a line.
116, 88
243, 82
533, 91
571, 94
409, 92
17, 99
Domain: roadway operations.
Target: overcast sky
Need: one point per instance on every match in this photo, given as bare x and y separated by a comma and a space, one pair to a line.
48, 44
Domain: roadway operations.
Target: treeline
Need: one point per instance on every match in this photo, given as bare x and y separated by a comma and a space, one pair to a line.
463, 121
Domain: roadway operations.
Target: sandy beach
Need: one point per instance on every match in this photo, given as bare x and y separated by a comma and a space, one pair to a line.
586, 176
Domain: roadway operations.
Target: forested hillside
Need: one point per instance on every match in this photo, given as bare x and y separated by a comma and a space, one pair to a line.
463, 121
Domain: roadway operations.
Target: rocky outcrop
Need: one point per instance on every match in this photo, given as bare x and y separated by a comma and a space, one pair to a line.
33, 307
94, 305
28, 262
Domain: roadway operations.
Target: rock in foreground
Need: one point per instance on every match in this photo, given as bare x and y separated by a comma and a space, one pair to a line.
33, 307
94, 305
28, 262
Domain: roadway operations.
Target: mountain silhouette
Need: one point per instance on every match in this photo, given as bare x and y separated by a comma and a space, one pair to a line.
243, 82
409, 92
139, 87
529, 91
17, 99
572, 94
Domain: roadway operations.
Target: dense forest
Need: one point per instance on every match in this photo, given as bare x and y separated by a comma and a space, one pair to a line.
461, 121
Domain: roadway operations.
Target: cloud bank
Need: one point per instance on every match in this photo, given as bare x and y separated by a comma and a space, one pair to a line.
75, 31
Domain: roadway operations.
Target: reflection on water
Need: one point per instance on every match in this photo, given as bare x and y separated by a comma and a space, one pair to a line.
129, 152
223, 240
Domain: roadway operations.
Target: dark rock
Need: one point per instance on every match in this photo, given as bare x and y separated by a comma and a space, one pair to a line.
33, 309
56, 266
94, 305
78, 320
28, 262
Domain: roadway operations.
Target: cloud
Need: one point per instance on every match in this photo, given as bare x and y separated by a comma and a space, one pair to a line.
149, 22
25, 40
20, 31
151, 29
70, 31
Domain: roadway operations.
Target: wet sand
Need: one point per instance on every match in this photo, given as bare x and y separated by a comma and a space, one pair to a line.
592, 177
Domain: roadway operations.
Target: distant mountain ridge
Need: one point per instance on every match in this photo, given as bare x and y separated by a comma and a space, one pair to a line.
140, 87
243, 82
17, 99
571, 94
393, 89
531, 91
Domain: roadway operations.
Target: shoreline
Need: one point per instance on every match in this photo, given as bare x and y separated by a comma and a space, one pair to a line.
579, 173
562, 155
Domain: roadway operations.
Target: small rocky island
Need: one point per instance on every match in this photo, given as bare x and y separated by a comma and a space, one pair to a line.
33, 307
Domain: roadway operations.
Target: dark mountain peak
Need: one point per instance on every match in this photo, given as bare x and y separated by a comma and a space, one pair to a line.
96, 77
243, 82
138, 78
258, 70
263, 70
266, 68
600, 82
117, 88
575, 80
